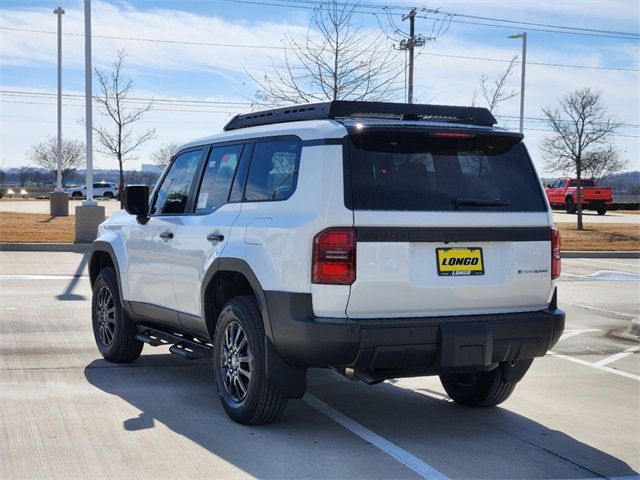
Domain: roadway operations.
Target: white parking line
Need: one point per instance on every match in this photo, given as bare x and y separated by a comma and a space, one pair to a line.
572, 333
597, 367
391, 449
596, 309
41, 277
617, 356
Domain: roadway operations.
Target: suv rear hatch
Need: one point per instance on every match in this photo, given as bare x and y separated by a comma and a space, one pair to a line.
449, 222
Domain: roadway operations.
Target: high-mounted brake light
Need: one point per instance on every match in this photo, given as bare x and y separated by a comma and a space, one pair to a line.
555, 254
451, 135
334, 257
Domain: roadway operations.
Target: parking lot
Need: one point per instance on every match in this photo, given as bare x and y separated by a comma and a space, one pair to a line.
66, 413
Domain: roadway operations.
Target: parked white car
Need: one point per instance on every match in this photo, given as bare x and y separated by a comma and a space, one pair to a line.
382, 240
100, 189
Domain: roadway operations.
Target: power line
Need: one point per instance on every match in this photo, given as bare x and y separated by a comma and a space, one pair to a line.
274, 47
360, 8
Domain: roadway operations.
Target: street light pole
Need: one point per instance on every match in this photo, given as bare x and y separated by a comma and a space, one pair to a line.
523, 36
88, 103
59, 11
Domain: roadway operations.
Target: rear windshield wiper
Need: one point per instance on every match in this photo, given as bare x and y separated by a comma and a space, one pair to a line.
477, 202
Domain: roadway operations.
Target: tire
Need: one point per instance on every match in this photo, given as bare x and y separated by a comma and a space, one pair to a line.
76, 195
480, 389
108, 195
260, 402
113, 330
601, 210
570, 205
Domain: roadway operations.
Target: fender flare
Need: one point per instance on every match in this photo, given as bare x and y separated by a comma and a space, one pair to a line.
105, 247
289, 380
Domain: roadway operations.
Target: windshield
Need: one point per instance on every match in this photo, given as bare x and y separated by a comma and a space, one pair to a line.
416, 171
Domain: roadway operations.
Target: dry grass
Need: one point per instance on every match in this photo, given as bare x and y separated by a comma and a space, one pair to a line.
42, 228
601, 236
36, 228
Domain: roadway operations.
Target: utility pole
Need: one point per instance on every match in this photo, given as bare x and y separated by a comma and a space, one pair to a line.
410, 44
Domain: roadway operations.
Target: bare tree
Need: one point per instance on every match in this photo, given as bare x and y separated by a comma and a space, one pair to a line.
337, 60
494, 93
581, 128
45, 154
163, 155
24, 175
600, 164
119, 141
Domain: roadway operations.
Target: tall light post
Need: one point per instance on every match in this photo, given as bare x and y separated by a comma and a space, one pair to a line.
523, 36
88, 103
89, 215
59, 11
58, 200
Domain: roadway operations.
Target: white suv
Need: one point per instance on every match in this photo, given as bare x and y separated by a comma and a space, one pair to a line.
382, 240
100, 189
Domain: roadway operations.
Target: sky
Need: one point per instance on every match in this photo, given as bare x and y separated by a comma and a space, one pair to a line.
196, 60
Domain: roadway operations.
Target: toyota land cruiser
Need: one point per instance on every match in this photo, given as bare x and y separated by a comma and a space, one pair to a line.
382, 240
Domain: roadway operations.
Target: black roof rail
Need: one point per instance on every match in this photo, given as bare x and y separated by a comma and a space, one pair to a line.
347, 108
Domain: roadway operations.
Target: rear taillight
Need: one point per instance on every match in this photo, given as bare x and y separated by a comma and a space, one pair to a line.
555, 254
334, 257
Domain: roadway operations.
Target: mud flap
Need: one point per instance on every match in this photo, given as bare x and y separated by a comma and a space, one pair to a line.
289, 380
466, 344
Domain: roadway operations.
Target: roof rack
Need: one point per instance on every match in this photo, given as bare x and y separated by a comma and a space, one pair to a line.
344, 108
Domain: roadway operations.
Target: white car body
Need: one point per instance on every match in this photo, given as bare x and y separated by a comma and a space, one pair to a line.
100, 189
343, 273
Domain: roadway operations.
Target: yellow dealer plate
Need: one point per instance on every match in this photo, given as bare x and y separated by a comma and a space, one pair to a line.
460, 261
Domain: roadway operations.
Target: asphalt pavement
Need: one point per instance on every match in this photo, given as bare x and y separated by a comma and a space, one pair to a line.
66, 413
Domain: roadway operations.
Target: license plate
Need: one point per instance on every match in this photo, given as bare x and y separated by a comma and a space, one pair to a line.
460, 261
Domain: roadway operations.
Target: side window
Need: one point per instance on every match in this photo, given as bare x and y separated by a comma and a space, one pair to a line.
217, 179
99, 185
273, 174
173, 194
573, 183
558, 184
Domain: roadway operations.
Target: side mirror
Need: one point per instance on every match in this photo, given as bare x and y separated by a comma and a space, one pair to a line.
136, 202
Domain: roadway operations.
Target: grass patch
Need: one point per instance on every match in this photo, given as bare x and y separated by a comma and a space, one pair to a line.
600, 236
36, 228
42, 228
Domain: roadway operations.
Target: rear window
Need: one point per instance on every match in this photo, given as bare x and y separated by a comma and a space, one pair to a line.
584, 183
415, 171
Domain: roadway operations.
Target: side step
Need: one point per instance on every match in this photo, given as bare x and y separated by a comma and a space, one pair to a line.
190, 348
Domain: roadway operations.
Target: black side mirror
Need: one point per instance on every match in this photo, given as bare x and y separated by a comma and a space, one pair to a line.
136, 202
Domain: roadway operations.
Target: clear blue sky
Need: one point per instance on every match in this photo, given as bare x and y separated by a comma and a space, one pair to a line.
183, 73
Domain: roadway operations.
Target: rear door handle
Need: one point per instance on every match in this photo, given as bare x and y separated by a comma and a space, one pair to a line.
166, 235
215, 237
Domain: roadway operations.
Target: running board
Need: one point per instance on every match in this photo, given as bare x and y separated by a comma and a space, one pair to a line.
187, 347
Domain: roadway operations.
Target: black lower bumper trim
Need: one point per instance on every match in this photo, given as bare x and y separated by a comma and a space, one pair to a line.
427, 343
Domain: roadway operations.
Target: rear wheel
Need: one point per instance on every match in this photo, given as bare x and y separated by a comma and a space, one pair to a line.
113, 330
601, 210
108, 195
478, 389
570, 205
239, 365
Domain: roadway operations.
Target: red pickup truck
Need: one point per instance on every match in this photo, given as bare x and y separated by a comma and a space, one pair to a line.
562, 193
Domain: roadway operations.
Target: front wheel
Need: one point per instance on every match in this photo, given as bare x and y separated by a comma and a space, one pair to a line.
601, 210
239, 365
114, 332
76, 195
108, 195
478, 389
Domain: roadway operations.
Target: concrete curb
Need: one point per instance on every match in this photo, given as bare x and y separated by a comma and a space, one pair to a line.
602, 254
46, 247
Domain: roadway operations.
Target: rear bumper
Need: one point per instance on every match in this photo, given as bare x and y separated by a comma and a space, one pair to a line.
426, 344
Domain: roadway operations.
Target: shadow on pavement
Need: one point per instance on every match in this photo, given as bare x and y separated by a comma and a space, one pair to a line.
453, 439
68, 294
